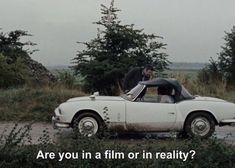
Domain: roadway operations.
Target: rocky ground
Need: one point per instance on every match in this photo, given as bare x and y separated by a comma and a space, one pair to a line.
38, 72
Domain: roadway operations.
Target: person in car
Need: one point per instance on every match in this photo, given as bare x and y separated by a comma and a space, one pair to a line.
165, 94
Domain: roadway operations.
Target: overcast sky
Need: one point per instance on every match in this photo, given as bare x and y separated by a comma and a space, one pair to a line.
192, 29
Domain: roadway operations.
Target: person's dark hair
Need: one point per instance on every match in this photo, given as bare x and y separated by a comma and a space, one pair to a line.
149, 67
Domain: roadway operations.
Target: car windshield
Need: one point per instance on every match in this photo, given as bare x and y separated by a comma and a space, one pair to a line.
185, 93
133, 93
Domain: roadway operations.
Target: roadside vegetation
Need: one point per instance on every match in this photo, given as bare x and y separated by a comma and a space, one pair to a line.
223, 68
15, 153
34, 103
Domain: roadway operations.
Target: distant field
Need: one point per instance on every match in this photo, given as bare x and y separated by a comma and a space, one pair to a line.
192, 73
186, 65
175, 69
56, 70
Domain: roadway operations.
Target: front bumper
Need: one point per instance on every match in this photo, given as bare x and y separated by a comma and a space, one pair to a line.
227, 122
57, 124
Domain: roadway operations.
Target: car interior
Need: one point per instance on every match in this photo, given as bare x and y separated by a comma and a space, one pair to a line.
157, 94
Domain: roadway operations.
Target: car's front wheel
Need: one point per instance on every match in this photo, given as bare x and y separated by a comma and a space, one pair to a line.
200, 124
88, 124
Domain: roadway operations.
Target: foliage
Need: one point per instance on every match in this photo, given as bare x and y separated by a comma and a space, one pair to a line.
13, 70
14, 74
211, 73
67, 79
14, 152
12, 47
214, 88
114, 51
224, 67
226, 60
33, 104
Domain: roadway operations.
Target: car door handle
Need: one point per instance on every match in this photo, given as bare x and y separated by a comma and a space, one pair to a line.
171, 113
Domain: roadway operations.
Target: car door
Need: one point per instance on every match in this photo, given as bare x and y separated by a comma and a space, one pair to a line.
150, 115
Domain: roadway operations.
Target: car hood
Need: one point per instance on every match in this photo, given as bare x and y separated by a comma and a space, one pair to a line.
100, 98
201, 98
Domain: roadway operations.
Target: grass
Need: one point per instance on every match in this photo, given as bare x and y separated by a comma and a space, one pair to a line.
33, 104
195, 87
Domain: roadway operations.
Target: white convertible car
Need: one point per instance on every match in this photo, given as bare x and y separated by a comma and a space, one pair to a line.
158, 105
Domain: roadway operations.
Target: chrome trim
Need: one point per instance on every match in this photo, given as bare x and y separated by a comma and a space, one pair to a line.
228, 121
57, 124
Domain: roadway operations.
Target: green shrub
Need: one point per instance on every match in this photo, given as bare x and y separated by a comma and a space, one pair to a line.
209, 153
67, 79
14, 74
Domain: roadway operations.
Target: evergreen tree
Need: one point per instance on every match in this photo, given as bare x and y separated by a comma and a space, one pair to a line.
211, 73
226, 60
12, 47
116, 49
14, 74
13, 70
222, 69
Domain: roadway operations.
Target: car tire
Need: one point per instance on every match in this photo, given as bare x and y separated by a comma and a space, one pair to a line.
200, 125
88, 124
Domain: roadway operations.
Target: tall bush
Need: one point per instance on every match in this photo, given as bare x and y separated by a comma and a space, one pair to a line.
14, 74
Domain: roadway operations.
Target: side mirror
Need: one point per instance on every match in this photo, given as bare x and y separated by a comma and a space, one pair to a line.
92, 97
